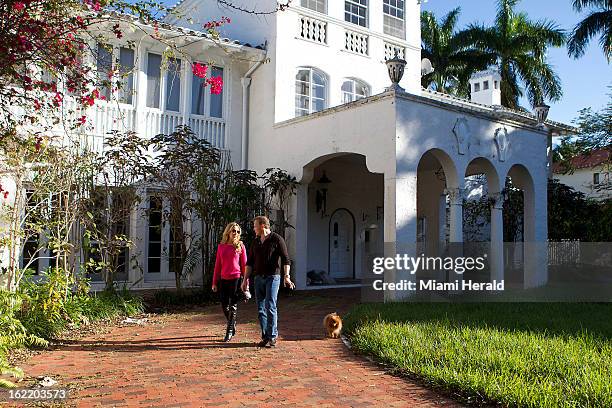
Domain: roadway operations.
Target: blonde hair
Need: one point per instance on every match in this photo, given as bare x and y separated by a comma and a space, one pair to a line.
237, 243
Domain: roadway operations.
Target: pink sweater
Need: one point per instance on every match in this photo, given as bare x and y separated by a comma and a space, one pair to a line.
229, 264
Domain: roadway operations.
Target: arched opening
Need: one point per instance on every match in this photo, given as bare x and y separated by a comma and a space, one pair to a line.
482, 218
436, 177
344, 219
519, 222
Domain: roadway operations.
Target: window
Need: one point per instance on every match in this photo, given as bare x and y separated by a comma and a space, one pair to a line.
485, 85
393, 18
477, 87
153, 80
126, 71
154, 235
316, 5
353, 89
31, 247
216, 101
596, 178
175, 244
310, 91
104, 63
355, 11
198, 95
173, 85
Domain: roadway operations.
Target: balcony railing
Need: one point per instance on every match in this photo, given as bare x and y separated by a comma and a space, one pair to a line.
392, 49
104, 118
312, 29
356, 42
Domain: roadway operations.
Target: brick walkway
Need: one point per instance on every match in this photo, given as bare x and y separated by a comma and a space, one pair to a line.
179, 360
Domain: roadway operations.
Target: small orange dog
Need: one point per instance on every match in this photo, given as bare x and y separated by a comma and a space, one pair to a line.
333, 325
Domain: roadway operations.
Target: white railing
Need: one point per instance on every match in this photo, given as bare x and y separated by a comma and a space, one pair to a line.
312, 29
108, 117
392, 49
356, 42
210, 129
156, 122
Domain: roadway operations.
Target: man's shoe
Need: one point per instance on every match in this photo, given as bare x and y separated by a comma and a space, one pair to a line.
263, 343
272, 343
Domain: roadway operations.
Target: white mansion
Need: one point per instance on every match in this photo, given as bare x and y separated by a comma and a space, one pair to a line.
307, 90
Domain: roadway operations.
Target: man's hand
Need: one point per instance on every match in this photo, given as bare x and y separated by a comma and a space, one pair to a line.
287, 282
214, 288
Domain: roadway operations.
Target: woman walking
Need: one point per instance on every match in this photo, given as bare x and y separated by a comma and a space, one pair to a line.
229, 271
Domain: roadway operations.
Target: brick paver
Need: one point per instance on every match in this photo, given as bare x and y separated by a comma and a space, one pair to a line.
179, 360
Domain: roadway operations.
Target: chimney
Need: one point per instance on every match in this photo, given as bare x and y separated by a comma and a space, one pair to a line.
485, 87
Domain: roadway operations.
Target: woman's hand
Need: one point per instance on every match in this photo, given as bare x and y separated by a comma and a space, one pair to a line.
214, 288
243, 286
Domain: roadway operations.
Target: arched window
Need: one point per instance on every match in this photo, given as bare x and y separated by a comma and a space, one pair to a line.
353, 89
310, 91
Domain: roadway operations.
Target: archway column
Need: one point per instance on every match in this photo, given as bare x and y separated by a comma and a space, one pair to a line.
455, 196
536, 233
301, 235
497, 237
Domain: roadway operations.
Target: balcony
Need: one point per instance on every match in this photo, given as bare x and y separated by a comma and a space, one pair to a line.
105, 117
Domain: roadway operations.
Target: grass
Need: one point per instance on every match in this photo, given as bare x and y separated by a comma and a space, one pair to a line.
516, 354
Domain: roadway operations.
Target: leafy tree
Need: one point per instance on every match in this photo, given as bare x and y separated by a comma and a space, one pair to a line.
453, 62
519, 46
595, 134
597, 22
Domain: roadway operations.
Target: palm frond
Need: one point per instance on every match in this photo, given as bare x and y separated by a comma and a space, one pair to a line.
586, 29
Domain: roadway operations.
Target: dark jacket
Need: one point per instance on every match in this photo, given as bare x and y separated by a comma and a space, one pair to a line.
263, 257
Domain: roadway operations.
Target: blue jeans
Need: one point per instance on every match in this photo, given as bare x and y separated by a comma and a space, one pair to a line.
266, 293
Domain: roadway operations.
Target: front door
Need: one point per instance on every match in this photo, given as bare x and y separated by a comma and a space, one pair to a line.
341, 245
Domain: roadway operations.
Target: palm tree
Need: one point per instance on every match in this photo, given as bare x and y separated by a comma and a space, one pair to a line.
519, 46
453, 64
598, 21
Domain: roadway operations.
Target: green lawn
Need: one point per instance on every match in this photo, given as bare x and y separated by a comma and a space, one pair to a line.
518, 354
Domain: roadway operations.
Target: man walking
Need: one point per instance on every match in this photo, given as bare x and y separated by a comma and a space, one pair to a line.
263, 262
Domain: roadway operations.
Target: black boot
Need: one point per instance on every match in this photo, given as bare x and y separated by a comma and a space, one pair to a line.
231, 325
234, 322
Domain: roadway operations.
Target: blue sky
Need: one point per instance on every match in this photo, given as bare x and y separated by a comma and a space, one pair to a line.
584, 81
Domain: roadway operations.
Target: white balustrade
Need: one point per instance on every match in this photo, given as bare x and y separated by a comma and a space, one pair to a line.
356, 42
210, 129
392, 49
157, 122
312, 29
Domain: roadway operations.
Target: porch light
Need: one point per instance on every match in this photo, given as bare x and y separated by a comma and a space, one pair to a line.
396, 66
541, 111
321, 198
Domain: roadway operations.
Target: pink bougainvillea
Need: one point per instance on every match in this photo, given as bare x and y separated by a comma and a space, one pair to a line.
199, 70
216, 85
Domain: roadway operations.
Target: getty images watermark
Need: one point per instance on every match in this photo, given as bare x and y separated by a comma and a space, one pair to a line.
412, 264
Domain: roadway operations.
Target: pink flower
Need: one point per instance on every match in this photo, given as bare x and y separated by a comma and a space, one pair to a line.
6, 193
18, 6
82, 120
216, 85
199, 70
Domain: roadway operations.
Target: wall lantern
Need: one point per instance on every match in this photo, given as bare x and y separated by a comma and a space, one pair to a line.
321, 197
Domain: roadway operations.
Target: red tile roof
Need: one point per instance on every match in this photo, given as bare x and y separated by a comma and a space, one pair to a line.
585, 161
